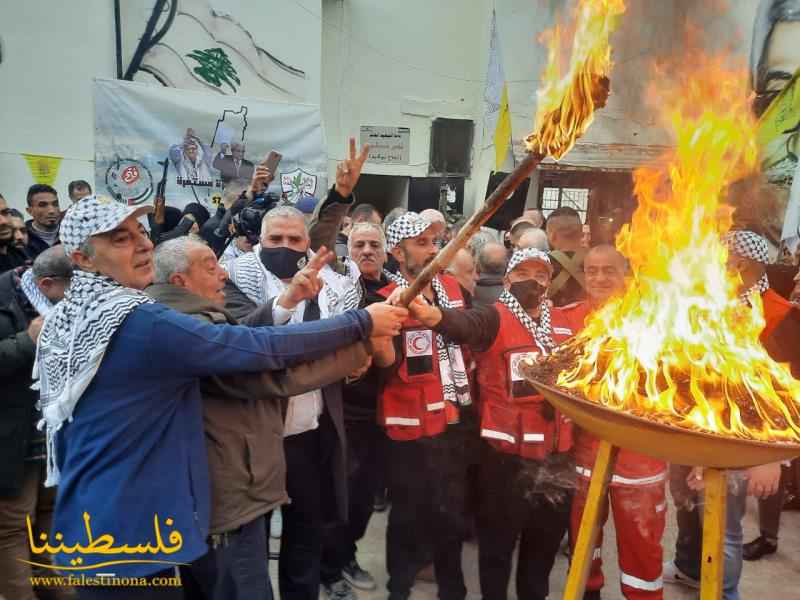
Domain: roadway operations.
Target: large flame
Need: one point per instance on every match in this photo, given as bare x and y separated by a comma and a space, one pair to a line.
680, 346
566, 103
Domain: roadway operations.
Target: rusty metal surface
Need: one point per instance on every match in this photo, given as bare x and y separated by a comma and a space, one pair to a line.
674, 444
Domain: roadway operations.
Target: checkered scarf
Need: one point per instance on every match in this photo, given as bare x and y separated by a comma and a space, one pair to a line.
34, 295
71, 347
339, 292
542, 331
453, 374
748, 244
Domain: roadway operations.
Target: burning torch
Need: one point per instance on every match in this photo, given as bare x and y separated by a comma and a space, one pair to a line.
566, 109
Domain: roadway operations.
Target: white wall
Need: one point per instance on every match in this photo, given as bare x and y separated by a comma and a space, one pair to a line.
402, 64
53, 49
51, 52
368, 62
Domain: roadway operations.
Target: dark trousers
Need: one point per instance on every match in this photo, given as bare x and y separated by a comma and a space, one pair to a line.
37, 501
364, 469
309, 482
427, 480
237, 568
769, 509
161, 592
510, 511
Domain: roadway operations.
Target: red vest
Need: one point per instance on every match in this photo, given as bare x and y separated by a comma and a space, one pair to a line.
514, 417
776, 308
412, 403
631, 468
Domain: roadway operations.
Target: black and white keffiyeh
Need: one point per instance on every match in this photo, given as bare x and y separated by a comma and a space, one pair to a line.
406, 226
339, 292
748, 244
455, 384
542, 331
71, 347
34, 295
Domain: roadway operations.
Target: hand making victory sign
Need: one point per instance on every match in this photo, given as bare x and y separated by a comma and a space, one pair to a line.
306, 283
349, 170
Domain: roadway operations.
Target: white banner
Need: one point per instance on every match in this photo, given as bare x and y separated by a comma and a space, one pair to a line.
205, 140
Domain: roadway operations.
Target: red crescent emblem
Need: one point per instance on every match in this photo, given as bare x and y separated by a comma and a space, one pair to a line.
419, 343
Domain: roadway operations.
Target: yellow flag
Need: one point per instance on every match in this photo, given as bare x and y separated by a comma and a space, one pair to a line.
43, 168
497, 117
502, 133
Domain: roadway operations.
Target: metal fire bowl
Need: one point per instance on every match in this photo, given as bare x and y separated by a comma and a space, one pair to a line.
670, 443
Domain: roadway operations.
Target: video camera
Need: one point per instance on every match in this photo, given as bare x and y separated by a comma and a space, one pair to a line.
247, 222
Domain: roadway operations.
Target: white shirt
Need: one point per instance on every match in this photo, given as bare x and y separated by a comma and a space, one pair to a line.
304, 410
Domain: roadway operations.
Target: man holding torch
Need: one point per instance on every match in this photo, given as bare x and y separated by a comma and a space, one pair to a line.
525, 471
424, 404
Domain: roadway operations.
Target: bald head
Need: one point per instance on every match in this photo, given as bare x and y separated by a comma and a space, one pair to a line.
533, 238
604, 268
564, 232
492, 259
463, 269
433, 215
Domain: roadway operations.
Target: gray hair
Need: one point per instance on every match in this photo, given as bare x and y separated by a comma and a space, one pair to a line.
367, 226
172, 257
492, 259
282, 212
52, 263
392, 216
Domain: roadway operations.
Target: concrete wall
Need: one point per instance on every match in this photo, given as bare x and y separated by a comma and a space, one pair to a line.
51, 52
367, 62
403, 64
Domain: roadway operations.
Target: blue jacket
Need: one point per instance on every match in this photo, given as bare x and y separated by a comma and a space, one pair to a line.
135, 447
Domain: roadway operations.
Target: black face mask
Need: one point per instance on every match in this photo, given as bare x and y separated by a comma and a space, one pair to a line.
283, 262
528, 293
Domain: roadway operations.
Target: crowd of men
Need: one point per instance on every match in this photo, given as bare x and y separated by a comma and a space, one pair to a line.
182, 382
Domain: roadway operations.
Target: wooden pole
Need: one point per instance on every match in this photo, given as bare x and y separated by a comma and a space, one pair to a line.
471, 227
596, 500
712, 566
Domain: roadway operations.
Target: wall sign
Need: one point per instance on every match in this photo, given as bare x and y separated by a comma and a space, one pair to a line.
387, 145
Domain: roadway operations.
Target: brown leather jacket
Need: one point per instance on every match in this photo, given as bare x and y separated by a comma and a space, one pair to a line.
243, 419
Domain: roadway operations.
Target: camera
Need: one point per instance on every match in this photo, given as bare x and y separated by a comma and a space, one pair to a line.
247, 222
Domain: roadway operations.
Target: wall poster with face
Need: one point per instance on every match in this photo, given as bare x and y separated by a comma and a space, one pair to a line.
775, 78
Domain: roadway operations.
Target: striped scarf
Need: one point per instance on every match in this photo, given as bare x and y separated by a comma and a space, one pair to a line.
455, 385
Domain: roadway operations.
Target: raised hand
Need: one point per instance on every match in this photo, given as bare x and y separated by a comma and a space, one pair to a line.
349, 170
262, 177
306, 283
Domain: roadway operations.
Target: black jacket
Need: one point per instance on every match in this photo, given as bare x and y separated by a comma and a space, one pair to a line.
361, 396
12, 259
488, 289
36, 245
18, 407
